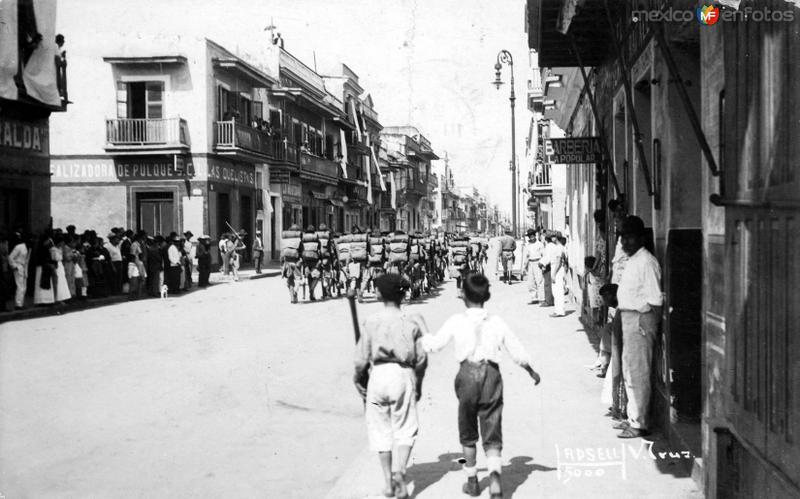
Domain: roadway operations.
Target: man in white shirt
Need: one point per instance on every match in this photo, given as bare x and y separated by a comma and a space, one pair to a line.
478, 339
556, 258
640, 301
534, 252
18, 261
114, 250
173, 271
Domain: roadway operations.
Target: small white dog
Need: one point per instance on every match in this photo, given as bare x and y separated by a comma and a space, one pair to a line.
164, 291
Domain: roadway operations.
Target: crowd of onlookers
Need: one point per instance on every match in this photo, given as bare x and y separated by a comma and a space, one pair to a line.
59, 266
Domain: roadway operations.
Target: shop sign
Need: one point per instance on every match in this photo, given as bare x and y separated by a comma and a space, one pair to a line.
291, 190
576, 150
232, 173
26, 137
118, 169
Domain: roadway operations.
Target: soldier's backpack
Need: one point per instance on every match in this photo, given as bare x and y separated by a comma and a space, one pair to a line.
343, 248
398, 248
460, 251
358, 247
415, 250
291, 241
324, 237
375, 250
310, 246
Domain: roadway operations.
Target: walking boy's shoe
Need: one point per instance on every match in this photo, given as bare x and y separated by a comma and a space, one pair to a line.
471, 488
495, 486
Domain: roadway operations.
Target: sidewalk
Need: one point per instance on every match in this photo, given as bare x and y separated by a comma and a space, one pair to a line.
31, 311
557, 441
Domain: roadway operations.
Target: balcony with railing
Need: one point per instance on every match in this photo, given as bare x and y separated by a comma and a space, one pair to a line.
231, 137
134, 135
317, 166
411, 185
541, 178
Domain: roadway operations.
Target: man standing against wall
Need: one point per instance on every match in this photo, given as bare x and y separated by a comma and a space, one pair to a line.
640, 301
534, 252
258, 251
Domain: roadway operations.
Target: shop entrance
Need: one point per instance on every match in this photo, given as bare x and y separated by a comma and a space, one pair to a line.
155, 212
223, 212
246, 221
14, 210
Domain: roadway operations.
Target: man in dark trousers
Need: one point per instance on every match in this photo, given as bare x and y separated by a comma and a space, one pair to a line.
507, 247
154, 266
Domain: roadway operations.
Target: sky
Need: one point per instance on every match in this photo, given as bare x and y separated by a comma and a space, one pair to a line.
427, 63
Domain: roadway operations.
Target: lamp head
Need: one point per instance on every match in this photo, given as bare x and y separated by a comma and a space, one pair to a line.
497, 81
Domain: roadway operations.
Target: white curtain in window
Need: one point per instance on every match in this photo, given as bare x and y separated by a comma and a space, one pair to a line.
39, 75
344, 153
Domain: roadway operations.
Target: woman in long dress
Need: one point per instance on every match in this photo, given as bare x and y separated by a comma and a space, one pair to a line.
69, 257
61, 291
44, 294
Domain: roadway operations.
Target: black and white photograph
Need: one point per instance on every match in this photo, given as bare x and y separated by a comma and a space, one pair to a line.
434, 249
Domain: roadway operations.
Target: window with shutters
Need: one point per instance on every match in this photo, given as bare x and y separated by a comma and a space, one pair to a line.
140, 99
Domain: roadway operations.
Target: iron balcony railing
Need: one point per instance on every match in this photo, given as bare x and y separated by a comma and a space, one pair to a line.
146, 132
542, 177
229, 135
318, 165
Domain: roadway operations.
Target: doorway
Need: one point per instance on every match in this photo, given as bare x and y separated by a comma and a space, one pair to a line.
223, 212
155, 212
14, 209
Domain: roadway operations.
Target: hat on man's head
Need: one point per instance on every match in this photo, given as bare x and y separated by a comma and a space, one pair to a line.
323, 227
204, 237
188, 234
530, 232
632, 225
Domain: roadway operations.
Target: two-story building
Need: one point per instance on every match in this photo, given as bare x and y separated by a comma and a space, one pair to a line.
33, 85
171, 138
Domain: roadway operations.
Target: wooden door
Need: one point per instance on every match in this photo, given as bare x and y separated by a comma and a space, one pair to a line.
762, 197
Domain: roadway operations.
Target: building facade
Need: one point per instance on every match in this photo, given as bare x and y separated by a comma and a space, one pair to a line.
697, 124
33, 84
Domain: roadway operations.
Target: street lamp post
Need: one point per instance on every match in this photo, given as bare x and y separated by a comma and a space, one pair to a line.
504, 57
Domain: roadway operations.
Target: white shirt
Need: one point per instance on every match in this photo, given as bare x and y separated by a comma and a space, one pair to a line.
535, 251
18, 258
114, 252
555, 252
639, 285
474, 343
174, 255
618, 262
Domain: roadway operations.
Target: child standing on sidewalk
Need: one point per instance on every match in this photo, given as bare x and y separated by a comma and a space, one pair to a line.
389, 350
478, 339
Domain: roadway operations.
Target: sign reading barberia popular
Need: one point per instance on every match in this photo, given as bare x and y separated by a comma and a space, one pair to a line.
26, 137
575, 150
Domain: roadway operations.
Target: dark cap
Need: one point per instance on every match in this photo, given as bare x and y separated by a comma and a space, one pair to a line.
632, 225
392, 287
188, 234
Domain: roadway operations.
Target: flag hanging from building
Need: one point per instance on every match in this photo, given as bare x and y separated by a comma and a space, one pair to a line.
394, 190
369, 182
344, 153
375, 162
354, 116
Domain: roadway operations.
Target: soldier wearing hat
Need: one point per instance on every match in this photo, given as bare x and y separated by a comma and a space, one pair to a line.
291, 259
311, 257
507, 247
173, 265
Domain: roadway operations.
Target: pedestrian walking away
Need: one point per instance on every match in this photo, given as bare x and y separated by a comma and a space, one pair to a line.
390, 347
478, 339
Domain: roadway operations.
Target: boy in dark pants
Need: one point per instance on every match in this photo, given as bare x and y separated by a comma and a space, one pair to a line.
478, 339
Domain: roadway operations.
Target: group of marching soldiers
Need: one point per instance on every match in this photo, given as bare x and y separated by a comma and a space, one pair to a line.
339, 263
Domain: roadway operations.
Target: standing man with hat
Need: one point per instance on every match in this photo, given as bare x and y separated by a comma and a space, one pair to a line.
640, 301
173, 269
189, 253
534, 252
203, 260
258, 251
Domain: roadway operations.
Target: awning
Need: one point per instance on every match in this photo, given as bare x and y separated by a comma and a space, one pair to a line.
240, 68
156, 59
549, 21
337, 203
